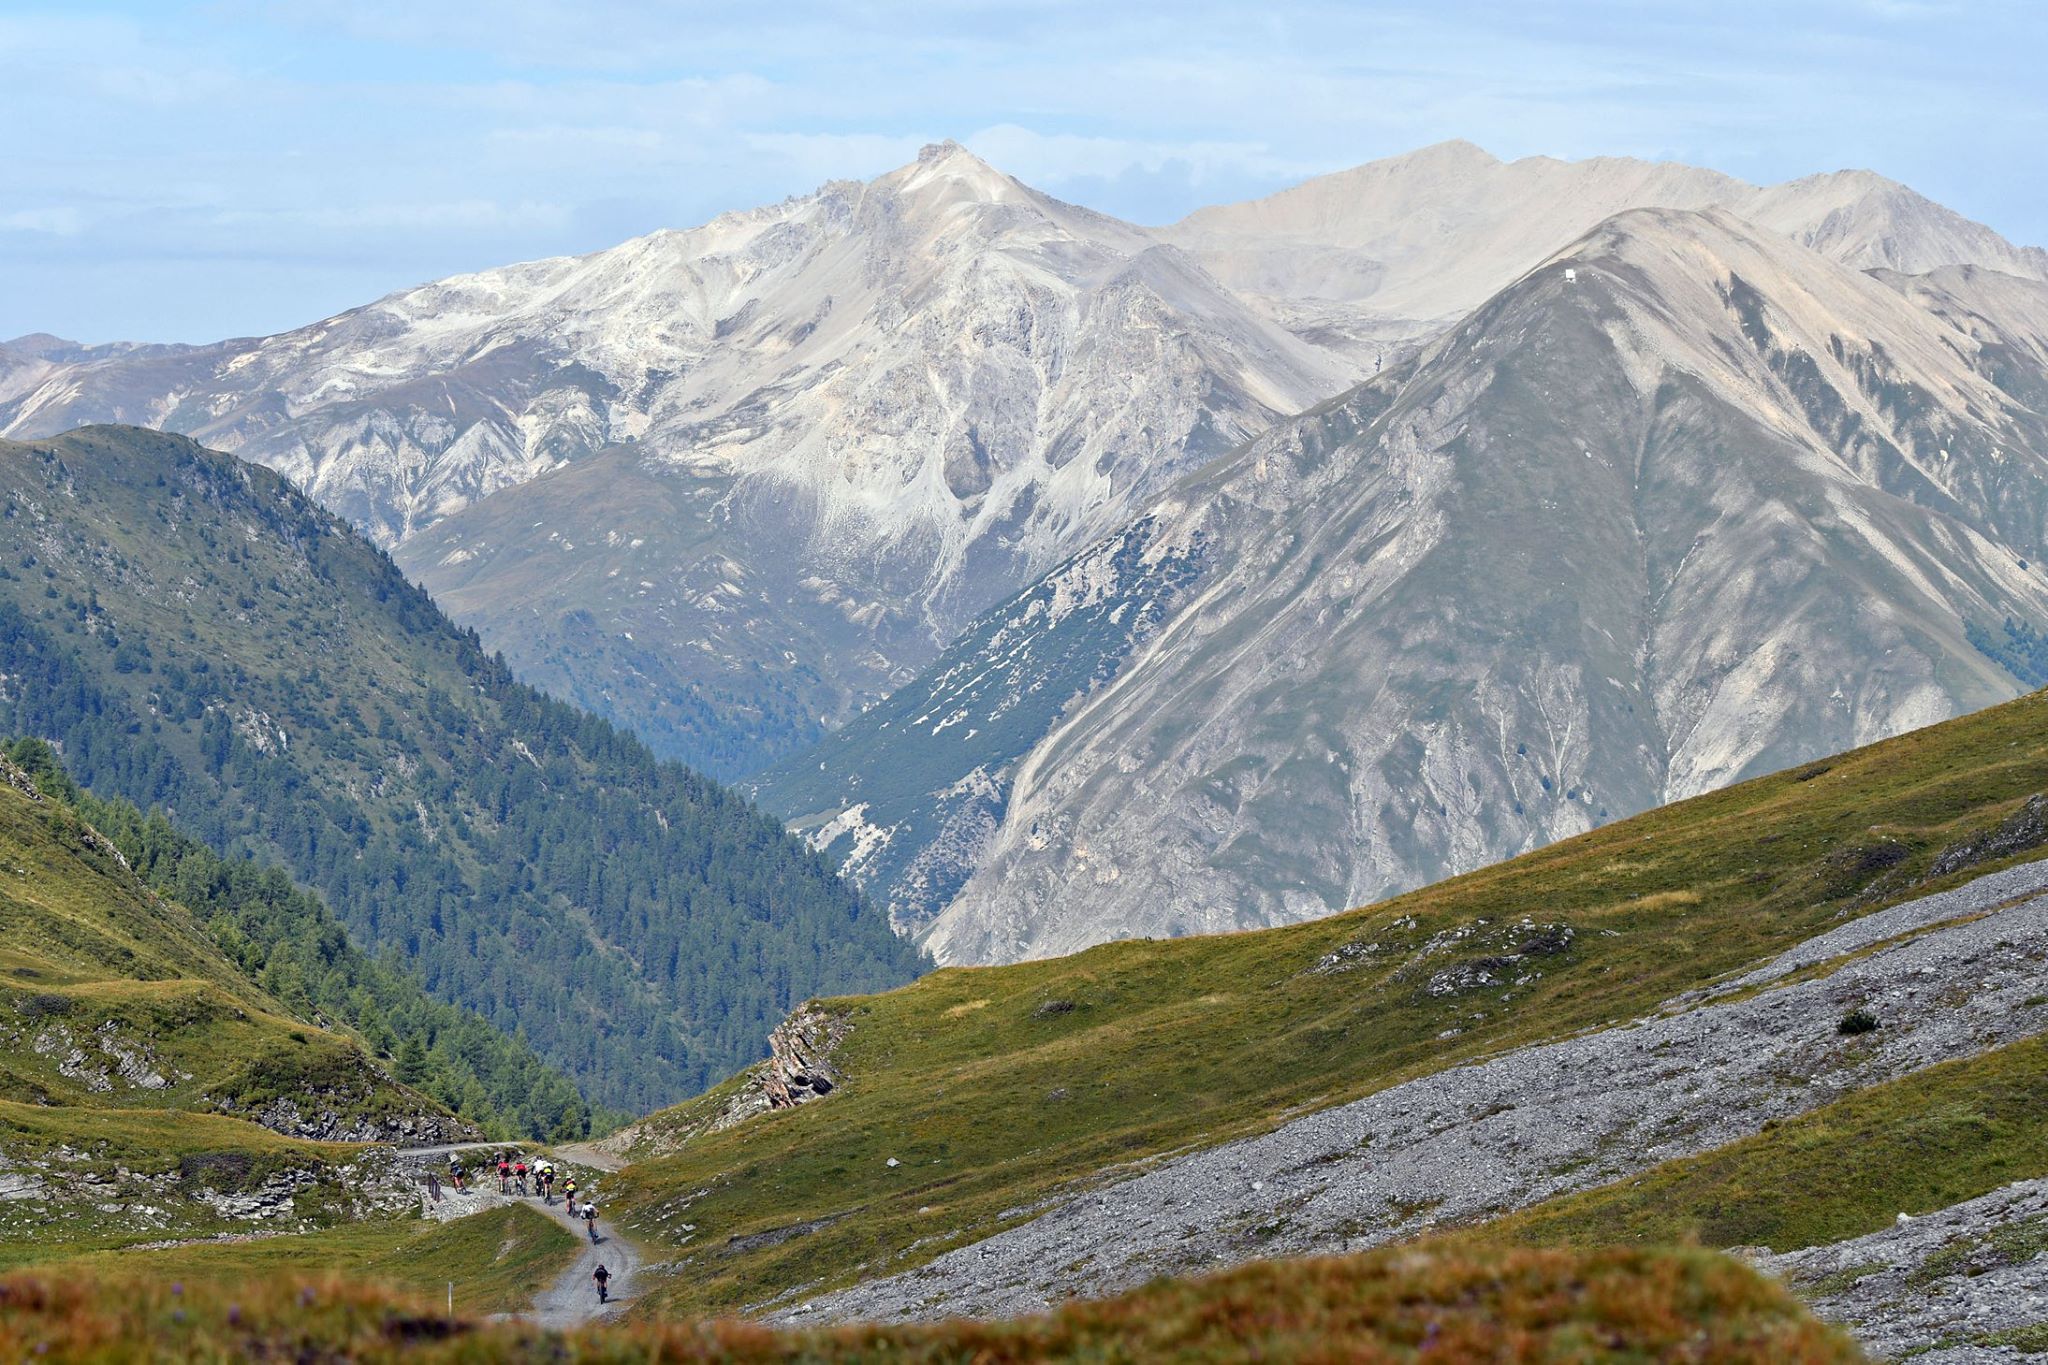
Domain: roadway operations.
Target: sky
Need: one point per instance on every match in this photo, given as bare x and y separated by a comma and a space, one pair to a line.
189, 171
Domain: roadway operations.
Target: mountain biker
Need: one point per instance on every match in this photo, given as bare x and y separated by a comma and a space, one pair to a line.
604, 1280
504, 1176
455, 1169
569, 1194
519, 1175
589, 1216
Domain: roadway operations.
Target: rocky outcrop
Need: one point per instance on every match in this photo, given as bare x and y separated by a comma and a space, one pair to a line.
199, 1194
799, 1069
104, 1058
2026, 828
320, 1117
1480, 1140
1965, 1285
20, 781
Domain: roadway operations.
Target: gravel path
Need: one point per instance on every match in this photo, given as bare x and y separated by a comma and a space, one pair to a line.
1486, 1138
1932, 1284
572, 1300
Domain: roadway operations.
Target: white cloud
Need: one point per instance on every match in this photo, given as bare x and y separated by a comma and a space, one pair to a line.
1045, 158
55, 222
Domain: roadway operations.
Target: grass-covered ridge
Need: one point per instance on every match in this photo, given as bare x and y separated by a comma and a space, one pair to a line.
148, 1088
1411, 1304
112, 997
997, 1088
201, 637
284, 940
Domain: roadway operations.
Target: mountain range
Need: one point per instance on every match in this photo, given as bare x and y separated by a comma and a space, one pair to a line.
1616, 481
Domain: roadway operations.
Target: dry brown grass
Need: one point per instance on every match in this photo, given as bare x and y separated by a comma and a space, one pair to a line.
1424, 1303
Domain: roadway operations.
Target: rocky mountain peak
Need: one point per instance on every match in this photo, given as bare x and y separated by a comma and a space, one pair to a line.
1452, 152
949, 170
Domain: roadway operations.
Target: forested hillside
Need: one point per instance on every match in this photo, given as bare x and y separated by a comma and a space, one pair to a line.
285, 940
195, 635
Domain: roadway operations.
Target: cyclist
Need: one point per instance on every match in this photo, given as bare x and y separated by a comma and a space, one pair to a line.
590, 1221
604, 1282
504, 1175
569, 1194
455, 1169
519, 1174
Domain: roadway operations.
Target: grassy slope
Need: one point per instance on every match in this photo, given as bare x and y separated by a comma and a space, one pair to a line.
1427, 1303
999, 1087
498, 1260
90, 954
1923, 1142
196, 1152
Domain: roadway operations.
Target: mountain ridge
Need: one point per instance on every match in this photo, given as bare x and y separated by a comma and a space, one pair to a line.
935, 386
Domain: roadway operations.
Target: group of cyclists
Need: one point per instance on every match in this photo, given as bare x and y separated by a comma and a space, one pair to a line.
515, 1176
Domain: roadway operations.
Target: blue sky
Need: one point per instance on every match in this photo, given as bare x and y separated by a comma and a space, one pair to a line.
176, 171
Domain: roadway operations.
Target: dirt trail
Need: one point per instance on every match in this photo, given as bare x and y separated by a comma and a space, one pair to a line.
571, 1300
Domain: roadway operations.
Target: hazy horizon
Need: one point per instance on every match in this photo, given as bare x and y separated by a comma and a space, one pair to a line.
186, 172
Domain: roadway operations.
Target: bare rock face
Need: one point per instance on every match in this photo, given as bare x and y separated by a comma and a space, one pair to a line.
799, 1066
1705, 506
799, 1069
328, 1118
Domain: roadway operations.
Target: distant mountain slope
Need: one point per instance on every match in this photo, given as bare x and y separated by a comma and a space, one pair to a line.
730, 484
197, 635
1714, 506
1366, 259
909, 794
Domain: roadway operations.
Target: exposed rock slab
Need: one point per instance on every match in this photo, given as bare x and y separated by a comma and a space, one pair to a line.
1934, 1288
